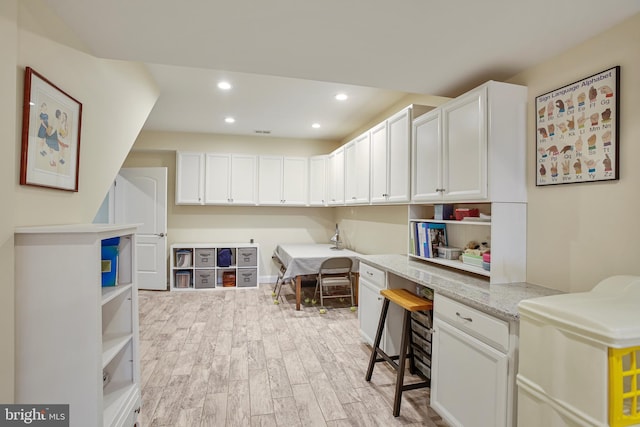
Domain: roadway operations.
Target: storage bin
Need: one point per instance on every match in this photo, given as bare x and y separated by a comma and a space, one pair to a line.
247, 257
224, 257
204, 279
183, 258
183, 279
109, 261
576, 357
248, 278
205, 257
447, 252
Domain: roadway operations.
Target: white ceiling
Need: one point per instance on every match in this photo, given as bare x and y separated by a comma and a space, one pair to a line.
288, 58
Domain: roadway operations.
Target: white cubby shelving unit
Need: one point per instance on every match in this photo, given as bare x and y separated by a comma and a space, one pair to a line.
196, 266
70, 330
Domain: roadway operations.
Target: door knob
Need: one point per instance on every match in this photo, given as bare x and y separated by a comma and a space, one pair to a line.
160, 235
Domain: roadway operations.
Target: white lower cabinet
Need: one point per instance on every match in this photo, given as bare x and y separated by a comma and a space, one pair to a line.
369, 307
471, 382
77, 341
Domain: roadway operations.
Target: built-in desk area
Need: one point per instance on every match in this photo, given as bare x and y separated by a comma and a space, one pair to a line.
474, 334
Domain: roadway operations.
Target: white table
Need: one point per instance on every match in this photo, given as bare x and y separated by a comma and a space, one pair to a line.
301, 259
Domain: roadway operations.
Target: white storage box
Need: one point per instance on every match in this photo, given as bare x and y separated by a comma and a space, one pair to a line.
449, 252
563, 377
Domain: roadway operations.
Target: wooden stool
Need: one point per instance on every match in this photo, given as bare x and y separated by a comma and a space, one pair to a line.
410, 303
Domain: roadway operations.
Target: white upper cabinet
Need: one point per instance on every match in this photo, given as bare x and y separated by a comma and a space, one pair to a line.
473, 147
379, 163
283, 180
426, 154
230, 179
318, 180
335, 182
356, 155
464, 149
390, 157
189, 178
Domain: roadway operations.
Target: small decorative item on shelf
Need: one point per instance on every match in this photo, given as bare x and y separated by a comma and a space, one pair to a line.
183, 279
474, 253
110, 261
447, 252
183, 258
443, 212
228, 279
466, 212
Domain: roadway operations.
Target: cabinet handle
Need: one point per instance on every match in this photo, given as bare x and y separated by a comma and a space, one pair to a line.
160, 234
369, 273
468, 319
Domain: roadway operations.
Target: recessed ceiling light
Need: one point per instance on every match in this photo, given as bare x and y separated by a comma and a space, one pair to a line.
229, 120
224, 85
341, 97
316, 125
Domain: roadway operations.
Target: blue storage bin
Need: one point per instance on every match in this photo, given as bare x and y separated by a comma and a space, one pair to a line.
109, 262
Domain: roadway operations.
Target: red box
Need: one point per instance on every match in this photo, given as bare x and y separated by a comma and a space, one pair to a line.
463, 212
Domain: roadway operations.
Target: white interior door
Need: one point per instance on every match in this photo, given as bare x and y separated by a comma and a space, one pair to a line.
141, 198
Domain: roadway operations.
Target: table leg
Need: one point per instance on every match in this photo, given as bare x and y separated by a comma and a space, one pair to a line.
298, 291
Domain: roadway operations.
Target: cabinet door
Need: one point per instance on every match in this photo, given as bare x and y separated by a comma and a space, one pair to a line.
399, 128
465, 147
318, 181
244, 172
336, 177
295, 190
270, 180
426, 168
379, 163
468, 379
189, 178
217, 178
369, 308
356, 170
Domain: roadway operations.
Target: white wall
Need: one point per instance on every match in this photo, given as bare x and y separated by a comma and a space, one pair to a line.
579, 234
268, 226
9, 125
117, 98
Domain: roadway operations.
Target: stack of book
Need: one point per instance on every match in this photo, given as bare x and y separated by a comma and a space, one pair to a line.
426, 237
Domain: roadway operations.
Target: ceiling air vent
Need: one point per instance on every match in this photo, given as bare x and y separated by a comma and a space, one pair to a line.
262, 132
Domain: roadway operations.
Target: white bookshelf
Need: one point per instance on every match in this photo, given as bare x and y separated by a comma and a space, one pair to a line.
70, 329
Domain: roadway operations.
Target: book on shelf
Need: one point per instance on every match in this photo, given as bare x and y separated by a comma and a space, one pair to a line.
426, 237
437, 235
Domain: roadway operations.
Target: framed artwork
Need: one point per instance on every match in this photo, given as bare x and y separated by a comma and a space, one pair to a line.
51, 122
577, 131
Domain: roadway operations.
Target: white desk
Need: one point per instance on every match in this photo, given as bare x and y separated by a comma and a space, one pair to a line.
303, 259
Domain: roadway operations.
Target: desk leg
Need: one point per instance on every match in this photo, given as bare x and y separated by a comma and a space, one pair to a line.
298, 291
356, 281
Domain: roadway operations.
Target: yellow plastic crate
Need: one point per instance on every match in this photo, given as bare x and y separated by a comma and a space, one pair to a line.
624, 386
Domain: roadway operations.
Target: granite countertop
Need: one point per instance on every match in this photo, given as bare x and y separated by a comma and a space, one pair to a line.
500, 300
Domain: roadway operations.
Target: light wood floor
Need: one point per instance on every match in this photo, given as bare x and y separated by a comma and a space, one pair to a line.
233, 358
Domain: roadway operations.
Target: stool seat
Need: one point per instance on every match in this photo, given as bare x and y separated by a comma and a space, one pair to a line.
407, 300
410, 303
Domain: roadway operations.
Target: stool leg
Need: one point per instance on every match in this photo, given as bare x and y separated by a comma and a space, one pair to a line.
406, 330
376, 341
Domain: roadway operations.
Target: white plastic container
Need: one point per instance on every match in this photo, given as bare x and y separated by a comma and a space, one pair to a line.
563, 375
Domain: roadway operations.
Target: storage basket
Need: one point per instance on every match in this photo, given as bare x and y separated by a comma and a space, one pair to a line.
624, 386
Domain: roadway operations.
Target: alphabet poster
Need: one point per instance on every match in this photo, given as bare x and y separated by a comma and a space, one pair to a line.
577, 131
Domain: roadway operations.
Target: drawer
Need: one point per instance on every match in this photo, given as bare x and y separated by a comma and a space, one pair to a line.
373, 275
247, 278
483, 326
205, 257
205, 279
247, 257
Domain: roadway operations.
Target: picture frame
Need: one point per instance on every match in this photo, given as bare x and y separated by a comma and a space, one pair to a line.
577, 131
51, 125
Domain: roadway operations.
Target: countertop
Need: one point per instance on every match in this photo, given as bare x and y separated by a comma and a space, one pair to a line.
500, 300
